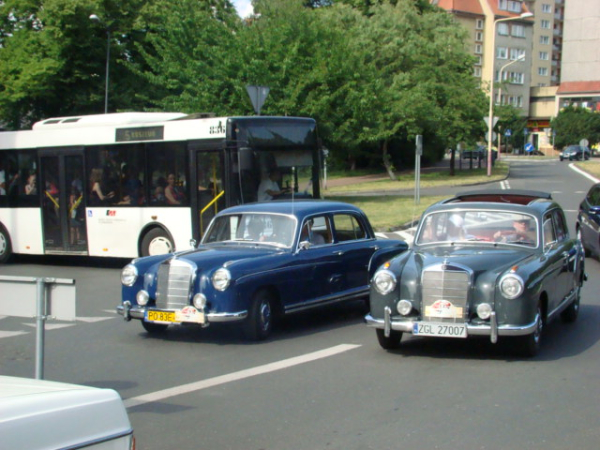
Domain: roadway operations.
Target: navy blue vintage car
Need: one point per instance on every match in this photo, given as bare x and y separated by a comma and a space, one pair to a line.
258, 261
588, 221
499, 264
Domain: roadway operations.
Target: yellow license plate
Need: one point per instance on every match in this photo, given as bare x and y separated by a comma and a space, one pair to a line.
160, 316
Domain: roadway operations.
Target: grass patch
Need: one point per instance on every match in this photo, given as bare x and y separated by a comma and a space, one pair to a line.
428, 179
591, 167
390, 212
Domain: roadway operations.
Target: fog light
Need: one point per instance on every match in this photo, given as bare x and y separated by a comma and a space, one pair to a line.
484, 311
200, 301
142, 298
404, 307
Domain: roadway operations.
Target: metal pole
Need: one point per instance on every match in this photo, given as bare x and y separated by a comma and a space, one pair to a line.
107, 71
39, 329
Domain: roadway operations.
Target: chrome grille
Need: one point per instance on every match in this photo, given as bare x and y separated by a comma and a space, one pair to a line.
174, 284
443, 282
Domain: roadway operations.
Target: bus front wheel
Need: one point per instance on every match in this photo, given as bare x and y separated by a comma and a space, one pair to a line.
157, 242
5, 245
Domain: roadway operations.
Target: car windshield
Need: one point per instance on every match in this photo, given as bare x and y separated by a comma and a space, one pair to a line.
267, 229
479, 226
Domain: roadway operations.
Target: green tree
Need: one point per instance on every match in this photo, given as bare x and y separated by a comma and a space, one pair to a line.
572, 124
52, 58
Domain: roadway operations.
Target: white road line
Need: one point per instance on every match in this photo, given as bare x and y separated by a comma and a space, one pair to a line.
236, 376
581, 172
4, 334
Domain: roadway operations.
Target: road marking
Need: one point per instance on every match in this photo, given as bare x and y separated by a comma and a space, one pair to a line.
585, 174
236, 376
4, 334
504, 184
92, 319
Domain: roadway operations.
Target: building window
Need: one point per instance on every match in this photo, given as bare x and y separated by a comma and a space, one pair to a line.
478, 60
501, 53
478, 49
544, 56
517, 31
517, 78
479, 24
478, 36
477, 71
545, 40
546, 8
545, 24
543, 71
515, 53
509, 5
503, 29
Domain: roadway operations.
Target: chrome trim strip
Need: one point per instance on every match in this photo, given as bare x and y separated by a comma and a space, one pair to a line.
472, 330
356, 295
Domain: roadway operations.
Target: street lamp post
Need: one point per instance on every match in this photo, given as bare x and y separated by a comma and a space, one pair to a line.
97, 19
524, 15
520, 58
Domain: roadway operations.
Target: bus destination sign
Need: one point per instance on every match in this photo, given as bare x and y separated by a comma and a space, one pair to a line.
140, 134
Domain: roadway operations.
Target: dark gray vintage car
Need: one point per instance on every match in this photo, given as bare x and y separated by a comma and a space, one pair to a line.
256, 262
485, 263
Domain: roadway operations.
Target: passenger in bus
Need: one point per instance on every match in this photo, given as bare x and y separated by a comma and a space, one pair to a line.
2, 179
269, 188
97, 196
31, 187
173, 193
158, 198
75, 214
132, 188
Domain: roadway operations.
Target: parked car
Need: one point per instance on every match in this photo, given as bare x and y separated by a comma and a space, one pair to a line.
588, 221
499, 264
258, 261
476, 154
575, 152
38, 414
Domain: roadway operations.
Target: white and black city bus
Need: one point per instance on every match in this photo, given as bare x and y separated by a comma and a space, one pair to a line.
136, 184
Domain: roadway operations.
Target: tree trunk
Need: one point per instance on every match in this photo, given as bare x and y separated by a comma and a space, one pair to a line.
387, 162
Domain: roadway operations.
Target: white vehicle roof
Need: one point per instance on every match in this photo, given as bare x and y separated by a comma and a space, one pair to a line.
38, 414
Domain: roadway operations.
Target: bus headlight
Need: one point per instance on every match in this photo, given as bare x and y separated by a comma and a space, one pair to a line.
129, 275
511, 285
221, 279
384, 282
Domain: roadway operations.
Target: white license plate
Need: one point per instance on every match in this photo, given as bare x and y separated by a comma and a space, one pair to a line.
440, 329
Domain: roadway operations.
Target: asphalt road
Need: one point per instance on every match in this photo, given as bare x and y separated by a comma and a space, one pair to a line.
322, 381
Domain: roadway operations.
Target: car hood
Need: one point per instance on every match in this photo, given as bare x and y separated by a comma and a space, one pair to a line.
214, 256
477, 259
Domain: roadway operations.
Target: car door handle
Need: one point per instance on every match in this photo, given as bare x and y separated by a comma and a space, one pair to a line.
375, 247
338, 253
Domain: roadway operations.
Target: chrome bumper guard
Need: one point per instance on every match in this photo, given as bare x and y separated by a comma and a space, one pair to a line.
129, 311
492, 329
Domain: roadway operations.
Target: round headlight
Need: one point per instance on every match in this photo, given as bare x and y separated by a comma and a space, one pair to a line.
200, 301
384, 282
404, 307
484, 311
511, 285
142, 298
221, 279
129, 275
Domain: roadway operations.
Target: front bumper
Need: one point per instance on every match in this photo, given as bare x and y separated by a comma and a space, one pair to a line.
129, 311
493, 330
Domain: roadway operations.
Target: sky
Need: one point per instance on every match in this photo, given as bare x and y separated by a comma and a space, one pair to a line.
243, 7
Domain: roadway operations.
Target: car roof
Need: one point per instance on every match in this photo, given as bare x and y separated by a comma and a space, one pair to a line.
524, 201
298, 208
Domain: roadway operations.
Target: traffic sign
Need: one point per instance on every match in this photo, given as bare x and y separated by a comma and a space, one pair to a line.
508, 132
494, 121
258, 95
529, 147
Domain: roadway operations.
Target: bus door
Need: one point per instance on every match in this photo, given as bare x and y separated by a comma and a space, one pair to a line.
63, 205
210, 191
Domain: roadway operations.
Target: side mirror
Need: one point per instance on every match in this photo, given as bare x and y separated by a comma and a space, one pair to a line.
193, 243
